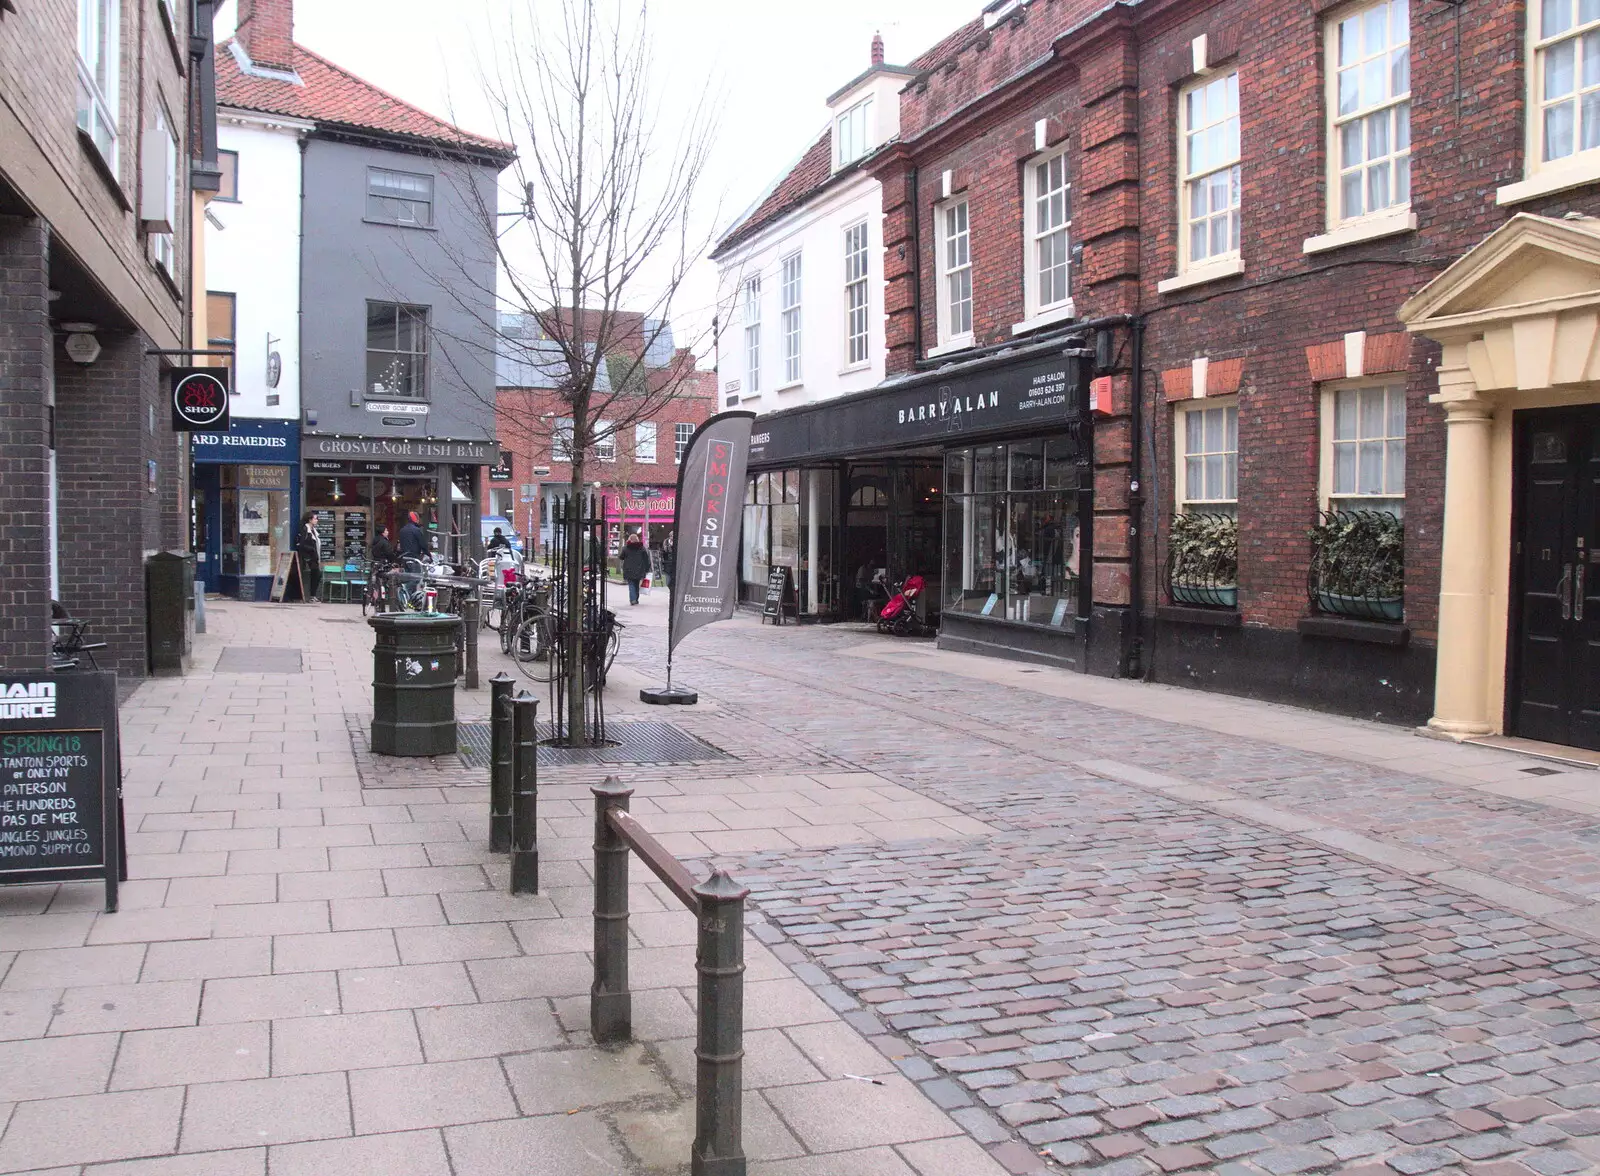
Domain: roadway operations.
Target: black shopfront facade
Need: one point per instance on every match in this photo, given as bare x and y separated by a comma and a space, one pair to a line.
976, 476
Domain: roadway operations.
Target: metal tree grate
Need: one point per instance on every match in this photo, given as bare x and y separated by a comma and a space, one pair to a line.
644, 741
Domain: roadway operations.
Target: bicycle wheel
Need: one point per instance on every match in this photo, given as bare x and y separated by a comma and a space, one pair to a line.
613, 643
534, 647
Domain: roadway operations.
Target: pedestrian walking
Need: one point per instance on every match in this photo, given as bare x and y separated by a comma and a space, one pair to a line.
383, 549
635, 566
412, 541
669, 554
309, 548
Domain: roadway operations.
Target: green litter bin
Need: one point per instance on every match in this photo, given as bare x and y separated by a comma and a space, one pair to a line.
414, 683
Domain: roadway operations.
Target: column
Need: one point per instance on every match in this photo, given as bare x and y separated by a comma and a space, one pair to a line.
1460, 697
813, 529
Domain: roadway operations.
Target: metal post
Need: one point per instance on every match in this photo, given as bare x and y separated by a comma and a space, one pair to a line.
501, 743
610, 1002
719, 1053
525, 797
469, 619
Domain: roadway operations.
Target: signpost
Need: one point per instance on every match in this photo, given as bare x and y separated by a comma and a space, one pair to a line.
61, 780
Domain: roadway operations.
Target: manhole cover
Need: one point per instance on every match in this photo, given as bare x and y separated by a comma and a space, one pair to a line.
1541, 771
258, 659
644, 741
341, 620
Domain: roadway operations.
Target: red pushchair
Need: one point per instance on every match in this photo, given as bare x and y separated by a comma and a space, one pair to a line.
898, 618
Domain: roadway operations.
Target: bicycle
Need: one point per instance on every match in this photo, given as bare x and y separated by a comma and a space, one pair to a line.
533, 646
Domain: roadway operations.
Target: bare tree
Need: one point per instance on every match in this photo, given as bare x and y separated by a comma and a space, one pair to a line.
605, 238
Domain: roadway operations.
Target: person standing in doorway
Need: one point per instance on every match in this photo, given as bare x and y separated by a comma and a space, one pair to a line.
635, 566
309, 549
413, 542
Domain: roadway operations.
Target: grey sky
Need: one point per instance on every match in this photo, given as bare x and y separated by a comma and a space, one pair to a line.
773, 63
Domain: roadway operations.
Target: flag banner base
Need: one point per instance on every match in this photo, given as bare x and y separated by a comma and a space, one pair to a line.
668, 696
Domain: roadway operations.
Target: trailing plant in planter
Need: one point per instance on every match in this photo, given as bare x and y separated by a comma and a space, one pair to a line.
1358, 564
1203, 560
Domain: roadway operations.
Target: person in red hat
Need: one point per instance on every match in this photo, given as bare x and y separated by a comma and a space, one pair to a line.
412, 541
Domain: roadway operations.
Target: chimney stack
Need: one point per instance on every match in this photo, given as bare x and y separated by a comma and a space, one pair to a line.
877, 49
266, 32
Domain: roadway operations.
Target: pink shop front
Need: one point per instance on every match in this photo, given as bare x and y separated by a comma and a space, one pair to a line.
644, 510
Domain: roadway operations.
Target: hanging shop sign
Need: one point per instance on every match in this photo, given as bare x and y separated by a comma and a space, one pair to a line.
60, 780
199, 400
1033, 395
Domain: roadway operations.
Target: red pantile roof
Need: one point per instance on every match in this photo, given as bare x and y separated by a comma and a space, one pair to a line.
804, 180
329, 94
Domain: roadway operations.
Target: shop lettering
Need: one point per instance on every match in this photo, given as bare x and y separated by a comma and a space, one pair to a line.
245, 442
378, 448
30, 700
708, 561
955, 406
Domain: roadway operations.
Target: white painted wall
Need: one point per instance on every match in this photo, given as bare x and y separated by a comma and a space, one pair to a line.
256, 257
817, 230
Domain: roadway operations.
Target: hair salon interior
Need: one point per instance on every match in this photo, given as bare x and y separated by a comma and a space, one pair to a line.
1260, 364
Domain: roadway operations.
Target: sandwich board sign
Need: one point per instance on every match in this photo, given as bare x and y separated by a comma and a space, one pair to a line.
61, 780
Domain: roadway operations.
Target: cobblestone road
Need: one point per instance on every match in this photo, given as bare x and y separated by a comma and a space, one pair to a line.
1237, 958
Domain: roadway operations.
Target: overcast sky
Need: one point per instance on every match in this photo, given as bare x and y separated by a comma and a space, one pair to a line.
775, 63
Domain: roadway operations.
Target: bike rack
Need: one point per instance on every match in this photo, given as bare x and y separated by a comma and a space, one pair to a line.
718, 905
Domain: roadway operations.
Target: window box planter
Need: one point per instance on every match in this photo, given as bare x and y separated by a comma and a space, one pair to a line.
1203, 560
1358, 565
1220, 596
1387, 608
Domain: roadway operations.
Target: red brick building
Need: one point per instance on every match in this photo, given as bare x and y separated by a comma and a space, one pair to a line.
1260, 230
637, 470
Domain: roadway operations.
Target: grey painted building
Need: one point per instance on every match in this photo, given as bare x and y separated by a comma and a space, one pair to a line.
397, 294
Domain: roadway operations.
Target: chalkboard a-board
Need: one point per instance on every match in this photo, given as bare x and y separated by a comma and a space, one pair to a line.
777, 593
286, 583
60, 780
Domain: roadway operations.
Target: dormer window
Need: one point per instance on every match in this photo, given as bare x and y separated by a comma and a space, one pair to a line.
850, 134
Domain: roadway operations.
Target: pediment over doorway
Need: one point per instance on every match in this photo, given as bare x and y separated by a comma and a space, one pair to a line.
1520, 312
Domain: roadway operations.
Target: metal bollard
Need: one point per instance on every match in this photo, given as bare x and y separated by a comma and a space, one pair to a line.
610, 1002
469, 626
719, 1053
525, 795
500, 743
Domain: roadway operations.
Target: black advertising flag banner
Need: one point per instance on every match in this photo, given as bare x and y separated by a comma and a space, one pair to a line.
199, 400
705, 583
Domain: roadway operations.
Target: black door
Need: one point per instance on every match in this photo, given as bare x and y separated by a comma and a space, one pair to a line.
1555, 684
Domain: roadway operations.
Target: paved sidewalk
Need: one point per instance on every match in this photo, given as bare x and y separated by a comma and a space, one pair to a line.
1007, 920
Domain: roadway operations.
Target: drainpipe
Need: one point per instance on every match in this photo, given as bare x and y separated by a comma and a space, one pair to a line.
1135, 663
913, 181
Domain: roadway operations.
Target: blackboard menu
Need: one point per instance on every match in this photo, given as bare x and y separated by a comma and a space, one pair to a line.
50, 797
60, 780
325, 533
355, 534
777, 592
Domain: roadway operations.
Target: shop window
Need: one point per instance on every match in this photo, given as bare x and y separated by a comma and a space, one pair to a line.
857, 296
955, 276
399, 198
1370, 114
99, 61
789, 319
1049, 221
228, 165
397, 350
256, 524
1011, 537
1209, 138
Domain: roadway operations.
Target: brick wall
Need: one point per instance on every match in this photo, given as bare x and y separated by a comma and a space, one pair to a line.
110, 520
24, 438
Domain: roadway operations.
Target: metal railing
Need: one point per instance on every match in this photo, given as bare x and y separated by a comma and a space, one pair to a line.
718, 904
1203, 560
514, 781
1358, 565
